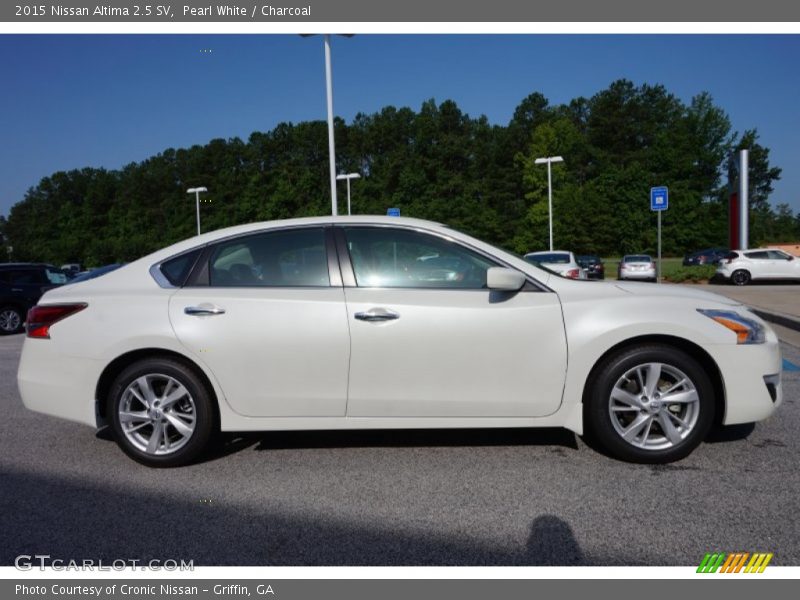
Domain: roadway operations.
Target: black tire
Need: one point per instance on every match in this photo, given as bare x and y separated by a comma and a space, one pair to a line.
202, 408
740, 277
11, 320
610, 372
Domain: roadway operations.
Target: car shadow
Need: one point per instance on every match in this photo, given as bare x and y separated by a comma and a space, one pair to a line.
729, 433
228, 443
75, 519
423, 438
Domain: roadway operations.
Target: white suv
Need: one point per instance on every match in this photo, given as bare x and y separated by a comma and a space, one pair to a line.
743, 266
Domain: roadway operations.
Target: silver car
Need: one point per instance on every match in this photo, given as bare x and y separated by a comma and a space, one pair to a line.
637, 266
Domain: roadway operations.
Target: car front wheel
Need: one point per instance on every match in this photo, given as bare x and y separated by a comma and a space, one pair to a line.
161, 413
650, 404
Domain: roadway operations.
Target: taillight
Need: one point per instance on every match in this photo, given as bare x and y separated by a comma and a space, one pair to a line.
41, 318
573, 273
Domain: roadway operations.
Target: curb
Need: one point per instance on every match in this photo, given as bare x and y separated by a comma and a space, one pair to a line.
777, 318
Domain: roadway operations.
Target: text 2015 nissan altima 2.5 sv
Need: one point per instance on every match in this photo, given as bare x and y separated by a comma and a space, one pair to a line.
386, 322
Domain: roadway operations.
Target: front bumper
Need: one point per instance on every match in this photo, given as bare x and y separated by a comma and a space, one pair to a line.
752, 393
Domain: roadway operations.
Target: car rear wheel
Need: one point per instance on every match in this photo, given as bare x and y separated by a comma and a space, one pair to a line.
740, 277
650, 404
11, 320
161, 413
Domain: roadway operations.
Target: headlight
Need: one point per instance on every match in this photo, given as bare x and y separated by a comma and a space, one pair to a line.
747, 330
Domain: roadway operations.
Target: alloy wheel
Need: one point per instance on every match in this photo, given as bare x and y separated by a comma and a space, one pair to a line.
654, 406
10, 320
157, 414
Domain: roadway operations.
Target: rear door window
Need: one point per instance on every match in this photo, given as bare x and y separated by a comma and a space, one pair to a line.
285, 258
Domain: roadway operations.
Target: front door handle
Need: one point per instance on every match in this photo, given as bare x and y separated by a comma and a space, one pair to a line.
377, 314
204, 310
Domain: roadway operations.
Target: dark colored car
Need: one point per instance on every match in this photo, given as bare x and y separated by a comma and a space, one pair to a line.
21, 286
95, 273
595, 269
709, 256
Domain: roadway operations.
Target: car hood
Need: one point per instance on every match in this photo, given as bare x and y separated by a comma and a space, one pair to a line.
665, 290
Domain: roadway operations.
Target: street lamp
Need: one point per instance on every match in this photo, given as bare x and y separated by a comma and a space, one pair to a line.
549, 160
329, 94
348, 177
197, 191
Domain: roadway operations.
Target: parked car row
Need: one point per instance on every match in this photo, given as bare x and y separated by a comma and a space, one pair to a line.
22, 285
634, 266
739, 267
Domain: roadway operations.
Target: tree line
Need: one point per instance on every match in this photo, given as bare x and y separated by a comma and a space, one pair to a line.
436, 163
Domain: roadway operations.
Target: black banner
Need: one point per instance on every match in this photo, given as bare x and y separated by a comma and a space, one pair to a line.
406, 11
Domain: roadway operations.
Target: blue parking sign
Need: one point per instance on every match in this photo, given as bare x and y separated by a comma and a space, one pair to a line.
393, 212
659, 198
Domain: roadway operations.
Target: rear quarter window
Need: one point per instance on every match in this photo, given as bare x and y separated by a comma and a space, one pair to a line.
177, 269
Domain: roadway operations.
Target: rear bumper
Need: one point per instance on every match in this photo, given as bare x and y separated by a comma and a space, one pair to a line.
57, 384
648, 274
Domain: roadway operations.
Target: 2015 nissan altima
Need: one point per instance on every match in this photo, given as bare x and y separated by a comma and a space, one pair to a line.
386, 322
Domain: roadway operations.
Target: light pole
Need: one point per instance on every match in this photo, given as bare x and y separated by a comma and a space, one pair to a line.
549, 160
348, 177
329, 95
331, 145
197, 191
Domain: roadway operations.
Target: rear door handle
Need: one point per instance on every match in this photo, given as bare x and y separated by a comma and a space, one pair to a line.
377, 314
203, 310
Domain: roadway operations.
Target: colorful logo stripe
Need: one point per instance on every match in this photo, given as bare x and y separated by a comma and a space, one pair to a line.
735, 562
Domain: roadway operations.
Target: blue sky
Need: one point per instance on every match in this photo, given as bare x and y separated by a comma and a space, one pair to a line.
104, 101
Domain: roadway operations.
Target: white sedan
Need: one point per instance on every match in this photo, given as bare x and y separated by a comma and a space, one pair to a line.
336, 323
743, 266
562, 262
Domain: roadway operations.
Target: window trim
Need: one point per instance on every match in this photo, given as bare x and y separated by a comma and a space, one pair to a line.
348, 273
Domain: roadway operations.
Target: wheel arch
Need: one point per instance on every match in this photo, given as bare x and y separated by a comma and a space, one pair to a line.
692, 349
116, 366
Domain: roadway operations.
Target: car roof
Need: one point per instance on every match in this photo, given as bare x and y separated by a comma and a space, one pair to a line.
22, 265
540, 252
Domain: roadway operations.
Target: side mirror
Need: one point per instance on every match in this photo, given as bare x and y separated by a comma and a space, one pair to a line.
504, 280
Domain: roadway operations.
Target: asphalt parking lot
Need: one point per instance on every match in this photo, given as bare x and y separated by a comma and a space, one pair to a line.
510, 497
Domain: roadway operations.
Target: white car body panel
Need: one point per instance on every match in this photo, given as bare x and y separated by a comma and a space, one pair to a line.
128, 311
267, 341
477, 365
